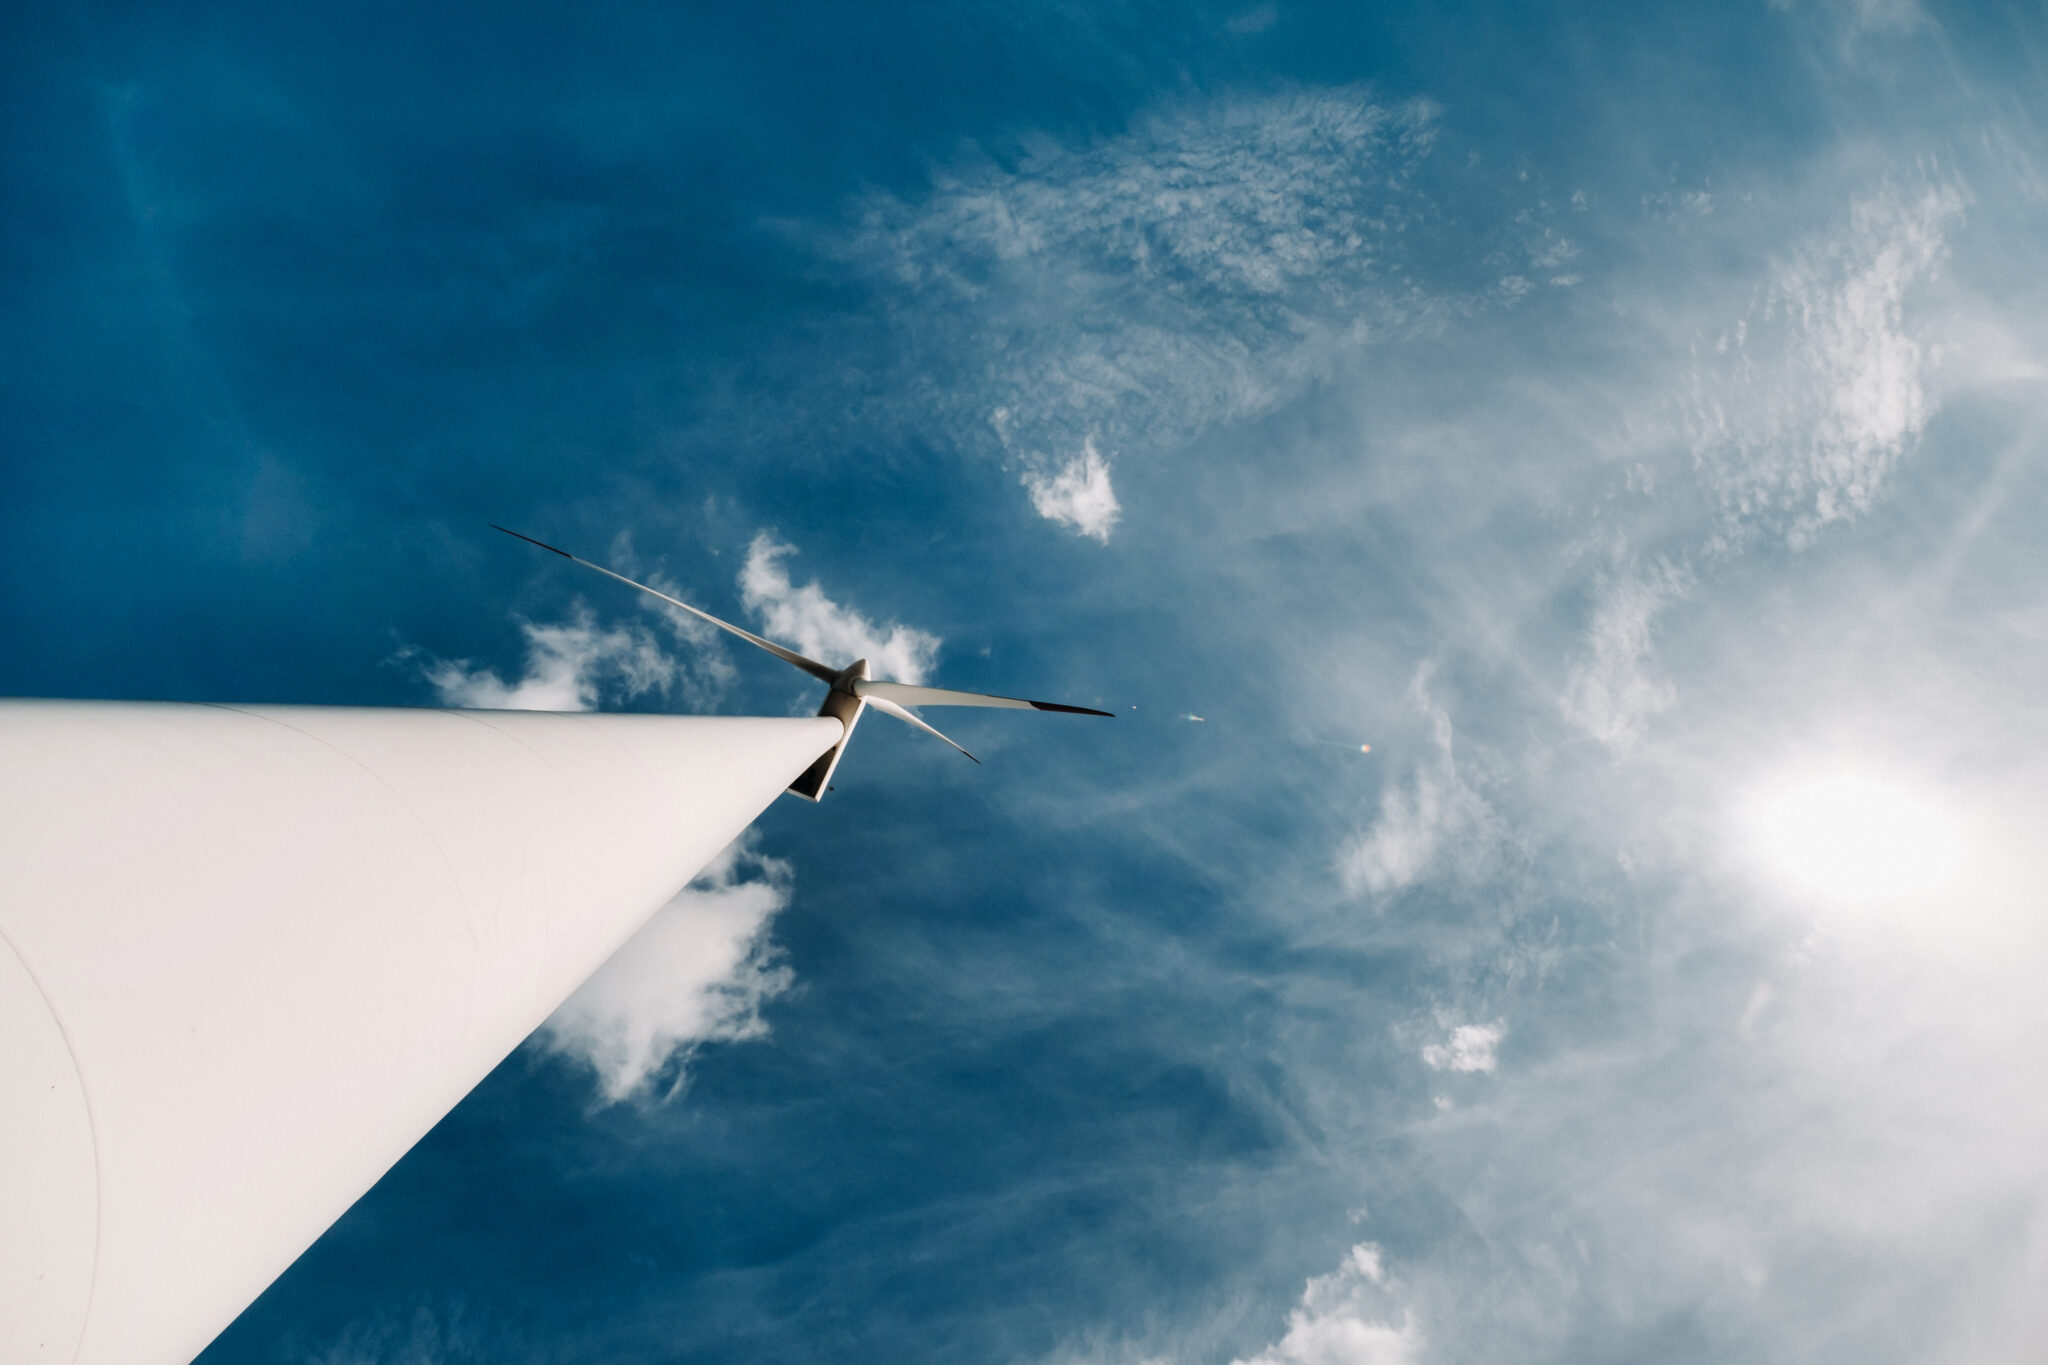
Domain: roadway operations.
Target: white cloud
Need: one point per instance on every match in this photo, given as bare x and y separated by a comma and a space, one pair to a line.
1078, 495
1342, 1320
1470, 1047
568, 666
1612, 694
813, 624
1204, 266
699, 971
1674, 1143
1800, 411
1419, 819
1709, 1140
1225, 193
1402, 843
1796, 416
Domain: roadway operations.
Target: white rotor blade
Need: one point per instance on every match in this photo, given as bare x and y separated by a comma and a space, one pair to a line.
789, 656
939, 696
890, 708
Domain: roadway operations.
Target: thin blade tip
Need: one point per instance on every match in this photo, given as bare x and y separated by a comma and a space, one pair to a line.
1072, 710
530, 540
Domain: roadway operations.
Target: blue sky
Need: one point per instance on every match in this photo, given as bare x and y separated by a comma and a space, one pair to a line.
1627, 419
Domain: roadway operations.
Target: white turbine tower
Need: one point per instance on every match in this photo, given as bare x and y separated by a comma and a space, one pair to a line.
250, 954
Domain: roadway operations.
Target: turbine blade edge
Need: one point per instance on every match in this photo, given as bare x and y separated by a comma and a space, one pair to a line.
890, 708
910, 695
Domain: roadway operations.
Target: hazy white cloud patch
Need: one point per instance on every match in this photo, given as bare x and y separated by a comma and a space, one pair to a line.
1612, 693
1078, 495
1689, 1125
1551, 249
1887, 14
698, 972
1676, 205
813, 624
1796, 417
1420, 819
1820, 955
1403, 841
569, 666
1344, 1318
1255, 20
1470, 1047
1712, 1070
1204, 266
1867, 16
1801, 410
421, 1337
1223, 196
709, 670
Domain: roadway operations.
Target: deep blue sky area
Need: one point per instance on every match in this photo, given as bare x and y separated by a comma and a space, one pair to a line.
1626, 419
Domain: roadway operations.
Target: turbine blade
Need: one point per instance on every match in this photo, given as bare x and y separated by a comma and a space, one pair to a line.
890, 708
939, 696
788, 656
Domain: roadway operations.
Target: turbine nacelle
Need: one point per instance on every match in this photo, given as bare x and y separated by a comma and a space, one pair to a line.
852, 690
844, 704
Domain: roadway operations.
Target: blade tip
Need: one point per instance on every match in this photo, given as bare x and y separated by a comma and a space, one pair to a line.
1072, 710
530, 540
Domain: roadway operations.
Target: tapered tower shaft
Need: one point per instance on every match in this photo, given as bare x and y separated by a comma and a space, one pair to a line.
250, 955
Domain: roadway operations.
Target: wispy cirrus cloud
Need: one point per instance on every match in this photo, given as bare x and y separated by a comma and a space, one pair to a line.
1800, 409
423, 1336
1613, 691
1854, 17
1795, 416
1202, 267
1433, 822
1738, 602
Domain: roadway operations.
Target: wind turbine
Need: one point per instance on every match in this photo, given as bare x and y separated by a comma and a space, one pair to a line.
250, 954
853, 691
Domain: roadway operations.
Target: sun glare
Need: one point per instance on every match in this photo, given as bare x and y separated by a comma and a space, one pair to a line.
1853, 836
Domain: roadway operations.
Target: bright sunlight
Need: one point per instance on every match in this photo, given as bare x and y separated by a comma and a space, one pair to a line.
1854, 836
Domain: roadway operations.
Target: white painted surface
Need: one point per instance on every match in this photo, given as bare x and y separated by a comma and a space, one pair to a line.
49, 1211
250, 955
